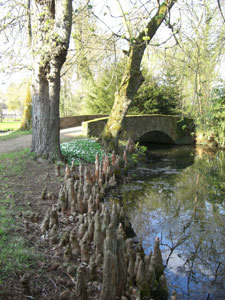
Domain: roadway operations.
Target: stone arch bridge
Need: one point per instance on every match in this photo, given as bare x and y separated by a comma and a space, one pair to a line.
148, 128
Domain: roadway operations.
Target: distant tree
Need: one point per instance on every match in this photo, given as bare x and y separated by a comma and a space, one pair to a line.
27, 111
195, 60
15, 95
197, 55
213, 126
92, 52
100, 92
84, 37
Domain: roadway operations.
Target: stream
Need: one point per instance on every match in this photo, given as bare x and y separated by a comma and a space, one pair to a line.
178, 194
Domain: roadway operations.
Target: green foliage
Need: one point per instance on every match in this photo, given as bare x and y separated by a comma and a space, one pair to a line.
100, 96
154, 96
185, 130
138, 155
212, 122
157, 97
81, 150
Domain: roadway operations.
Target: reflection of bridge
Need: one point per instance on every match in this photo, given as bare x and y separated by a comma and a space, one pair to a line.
149, 128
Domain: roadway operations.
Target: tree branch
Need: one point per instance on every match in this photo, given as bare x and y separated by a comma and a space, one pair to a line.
155, 22
219, 5
29, 28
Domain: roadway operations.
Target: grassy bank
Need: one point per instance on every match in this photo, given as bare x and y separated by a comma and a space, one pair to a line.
15, 255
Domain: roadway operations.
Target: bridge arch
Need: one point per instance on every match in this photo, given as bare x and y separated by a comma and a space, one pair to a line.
151, 128
156, 136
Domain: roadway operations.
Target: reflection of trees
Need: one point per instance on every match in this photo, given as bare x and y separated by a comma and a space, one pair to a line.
175, 243
188, 215
212, 169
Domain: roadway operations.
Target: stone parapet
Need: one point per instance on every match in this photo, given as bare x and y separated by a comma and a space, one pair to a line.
74, 121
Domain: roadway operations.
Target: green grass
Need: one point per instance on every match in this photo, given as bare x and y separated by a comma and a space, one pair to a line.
15, 255
13, 128
81, 150
14, 134
13, 161
9, 125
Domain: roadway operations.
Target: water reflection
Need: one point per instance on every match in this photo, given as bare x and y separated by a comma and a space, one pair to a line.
180, 198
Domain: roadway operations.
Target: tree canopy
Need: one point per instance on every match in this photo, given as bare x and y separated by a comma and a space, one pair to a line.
179, 49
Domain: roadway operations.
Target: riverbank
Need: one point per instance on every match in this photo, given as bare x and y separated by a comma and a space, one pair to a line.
54, 267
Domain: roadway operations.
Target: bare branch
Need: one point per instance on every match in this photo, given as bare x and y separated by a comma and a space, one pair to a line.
219, 5
29, 28
113, 33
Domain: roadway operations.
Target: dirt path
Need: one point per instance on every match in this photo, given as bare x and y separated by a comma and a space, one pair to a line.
25, 141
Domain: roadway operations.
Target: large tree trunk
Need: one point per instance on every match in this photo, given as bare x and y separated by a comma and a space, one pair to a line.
130, 83
50, 46
132, 78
